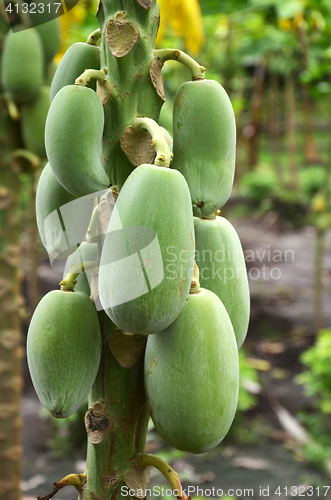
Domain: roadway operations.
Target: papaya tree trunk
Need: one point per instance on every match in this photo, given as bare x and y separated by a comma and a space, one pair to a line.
309, 141
256, 108
274, 126
10, 331
116, 421
291, 131
319, 249
117, 418
135, 86
32, 249
318, 283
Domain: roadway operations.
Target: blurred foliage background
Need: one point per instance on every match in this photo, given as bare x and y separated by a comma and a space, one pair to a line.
273, 57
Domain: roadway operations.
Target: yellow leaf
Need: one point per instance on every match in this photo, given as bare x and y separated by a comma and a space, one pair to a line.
285, 24
298, 20
185, 19
75, 16
319, 203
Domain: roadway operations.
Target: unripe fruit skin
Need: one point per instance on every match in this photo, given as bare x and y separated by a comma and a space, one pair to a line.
73, 136
33, 119
221, 262
205, 143
51, 197
192, 375
157, 198
22, 64
63, 350
79, 57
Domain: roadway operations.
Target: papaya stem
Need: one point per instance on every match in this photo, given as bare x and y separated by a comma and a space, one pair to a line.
92, 230
13, 110
76, 480
68, 283
27, 155
211, 216
85, 78
94, 37
197, 71
159, 143
146, 459
195, 283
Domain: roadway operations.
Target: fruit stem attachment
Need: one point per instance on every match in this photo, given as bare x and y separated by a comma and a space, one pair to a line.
211, 216
92, 230
25, 154
94, 37
68, 283
13, 110
85, 78
159, 143
197, 71
76, 480
146, 459
195, 283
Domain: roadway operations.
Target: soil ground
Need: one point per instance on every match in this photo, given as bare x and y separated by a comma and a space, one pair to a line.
281, 328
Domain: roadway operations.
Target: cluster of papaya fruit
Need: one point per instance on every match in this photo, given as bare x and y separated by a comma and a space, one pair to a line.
164, 226
191, 368
27, 67
64, 343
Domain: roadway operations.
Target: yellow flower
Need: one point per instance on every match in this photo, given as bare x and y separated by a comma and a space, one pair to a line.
185, 19
73, 17
319, 203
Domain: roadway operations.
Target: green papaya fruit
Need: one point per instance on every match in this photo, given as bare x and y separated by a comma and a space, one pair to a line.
63, 350
50, 34
22, 64
205, 143
86, 252
50, 72
221, 261
167, 137
192, 375
79, 57
73, 136
33, 119
147, 258
62, 219
165, 119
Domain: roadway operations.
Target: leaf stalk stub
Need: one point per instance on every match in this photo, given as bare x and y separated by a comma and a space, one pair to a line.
25, 154
13, 110
98, 424
94, 37
85, 78
146, 459
76, 480
197, 71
